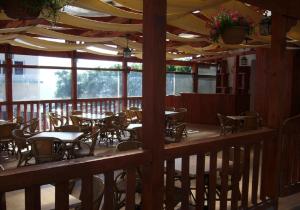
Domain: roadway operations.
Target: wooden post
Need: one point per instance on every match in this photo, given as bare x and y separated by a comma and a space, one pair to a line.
8, 83
235, 76
124, 80
195, 77
74, 80
154, 92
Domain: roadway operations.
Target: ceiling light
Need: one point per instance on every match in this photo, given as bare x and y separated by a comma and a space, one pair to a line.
196, 12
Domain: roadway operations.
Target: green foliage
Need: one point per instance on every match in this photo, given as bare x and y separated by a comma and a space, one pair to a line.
182, 69
227, 19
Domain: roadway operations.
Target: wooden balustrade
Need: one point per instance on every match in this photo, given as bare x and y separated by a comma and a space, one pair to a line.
228, 173
40, 109
225, 172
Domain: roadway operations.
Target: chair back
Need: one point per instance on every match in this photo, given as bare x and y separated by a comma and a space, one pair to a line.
47, 149
179, 129
76, 112
109, 113
172, 109
6, 130
221, 119
139, 115
32, 125
69, 128
134, 108
94, 138
76, 121
128, 145
98, 191
20, 139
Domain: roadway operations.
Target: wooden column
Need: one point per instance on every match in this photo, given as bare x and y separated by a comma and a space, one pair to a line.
74, 80
235, 76
195, 77
154, 92
8, 83
124, 80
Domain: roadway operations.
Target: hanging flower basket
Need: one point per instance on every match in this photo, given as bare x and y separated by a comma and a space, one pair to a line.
234, 35
31, 9
17, 9
231, 26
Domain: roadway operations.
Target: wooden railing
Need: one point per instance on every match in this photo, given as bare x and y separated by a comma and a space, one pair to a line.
290, 157
251, 183
41, 108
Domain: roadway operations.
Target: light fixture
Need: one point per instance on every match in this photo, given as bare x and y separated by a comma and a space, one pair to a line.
127, 51
244, 61
265, 24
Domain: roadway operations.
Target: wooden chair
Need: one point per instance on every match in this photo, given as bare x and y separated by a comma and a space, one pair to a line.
120, 186
56, 121
139, 116
86, 146
255, 122
30, 127
174, 120
76, 112
47, 149
6, 139
98, 192
177, 135
109, 130
134, 108
226, 125
84, 126
70, 128
23, 147
121, 122
109, 113
172, 109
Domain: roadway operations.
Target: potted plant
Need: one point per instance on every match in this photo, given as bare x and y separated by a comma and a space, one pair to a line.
231, 26
30, 9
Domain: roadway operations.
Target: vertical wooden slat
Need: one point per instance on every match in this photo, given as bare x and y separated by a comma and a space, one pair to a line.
108, 190
130, 188
33, 198
44, 116
235, 178
31, 110
170, 190
87, 193
224, 179
2, 197
61, 108
25, 112
18, 110
200, 182
101, 102
38, 115
246, 171
185, 181
55, 107
61, 196
212, 181
255, 173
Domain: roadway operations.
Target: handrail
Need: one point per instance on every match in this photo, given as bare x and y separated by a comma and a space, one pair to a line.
70, 169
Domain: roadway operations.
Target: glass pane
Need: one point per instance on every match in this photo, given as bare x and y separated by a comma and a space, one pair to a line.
209, 70
2, 79
42, 84
134, 83
183, 83
99, 84
86, 63
207, 85
135, 66
42, 60
170, 84
182, 69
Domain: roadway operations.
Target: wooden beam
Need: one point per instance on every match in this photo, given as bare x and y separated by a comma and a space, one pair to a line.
153, 103
74, 91
195, 77
124, 81
8, 83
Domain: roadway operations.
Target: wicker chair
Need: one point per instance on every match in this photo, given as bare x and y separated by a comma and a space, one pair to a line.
226, 125
120, 186
86, 146
30, 127
23, 150
6, 139
177, 135
46, 149
84, 126
109, 130
56, 121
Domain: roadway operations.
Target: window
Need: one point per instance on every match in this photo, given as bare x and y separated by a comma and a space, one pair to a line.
86, 63
99, 84
170, 84
19, 68
207, 79
134, 84
183, 83
2, 80
135, 66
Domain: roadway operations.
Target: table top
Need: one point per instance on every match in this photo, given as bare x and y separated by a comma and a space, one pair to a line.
15, 200
239, 117
3, 122
89, 116
168, 113
133, 126
67, 137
